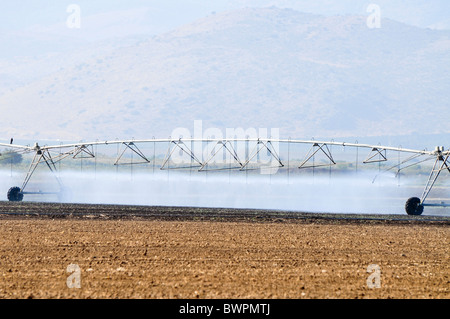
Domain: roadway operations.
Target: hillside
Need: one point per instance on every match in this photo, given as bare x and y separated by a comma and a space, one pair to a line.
305, 74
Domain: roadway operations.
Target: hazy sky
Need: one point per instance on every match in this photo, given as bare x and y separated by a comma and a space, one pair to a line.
160, 15
34, 35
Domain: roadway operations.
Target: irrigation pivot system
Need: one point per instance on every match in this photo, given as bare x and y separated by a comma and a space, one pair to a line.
238, 160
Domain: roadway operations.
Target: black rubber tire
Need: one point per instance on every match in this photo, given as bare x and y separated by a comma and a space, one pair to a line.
413, 206
14, 194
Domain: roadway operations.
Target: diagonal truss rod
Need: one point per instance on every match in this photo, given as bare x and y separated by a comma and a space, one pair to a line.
39, 157
435, 172
380, 152
183, 147
230, 149
258, 149
400, 168
324, 149
399, 165
82, 151
136, 150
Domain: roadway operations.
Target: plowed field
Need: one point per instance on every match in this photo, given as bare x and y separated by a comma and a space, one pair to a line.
156, 252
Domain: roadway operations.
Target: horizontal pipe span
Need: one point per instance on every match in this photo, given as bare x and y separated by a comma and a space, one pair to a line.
436, 205
40, 193
168, 140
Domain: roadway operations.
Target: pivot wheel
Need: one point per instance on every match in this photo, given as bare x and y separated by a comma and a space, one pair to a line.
413, 206
14, 194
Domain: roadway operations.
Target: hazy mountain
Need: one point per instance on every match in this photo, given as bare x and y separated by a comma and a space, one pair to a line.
307, 75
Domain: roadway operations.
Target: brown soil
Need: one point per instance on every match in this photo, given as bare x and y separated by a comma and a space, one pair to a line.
197, 253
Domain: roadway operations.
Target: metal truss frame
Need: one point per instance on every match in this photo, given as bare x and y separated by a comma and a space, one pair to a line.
377, 154
173, 145
315, 148
435, 172
260, 145
134, 149
223, 146
41, 156
380, 152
